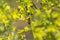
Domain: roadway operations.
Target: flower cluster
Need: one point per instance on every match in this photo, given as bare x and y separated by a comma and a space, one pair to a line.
44, 21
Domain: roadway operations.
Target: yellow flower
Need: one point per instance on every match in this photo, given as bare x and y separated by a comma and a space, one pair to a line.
22, 17
15, 14
38, 35
21, 7
1, 39
55, 14
51, 28
39, 32
35, 23
7, 7
26, 28
50, 3
20, 31
28, 10
57, 21
5, 21
38, 12
48, 11
9, 37
29, 5
27, 1
3, 17
43, 1
13, 28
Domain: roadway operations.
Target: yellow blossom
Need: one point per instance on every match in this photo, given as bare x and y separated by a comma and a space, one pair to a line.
9, 37
27, 1
20, 31
55, 14
13, 28
22, 17
5, 21
48, 11
57, 21
21, 7
1, 39
38, 12
51, 28
43, 1
29, 5
26, 28
51, 4
7, 7
39, 32
15, 16
36, 22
